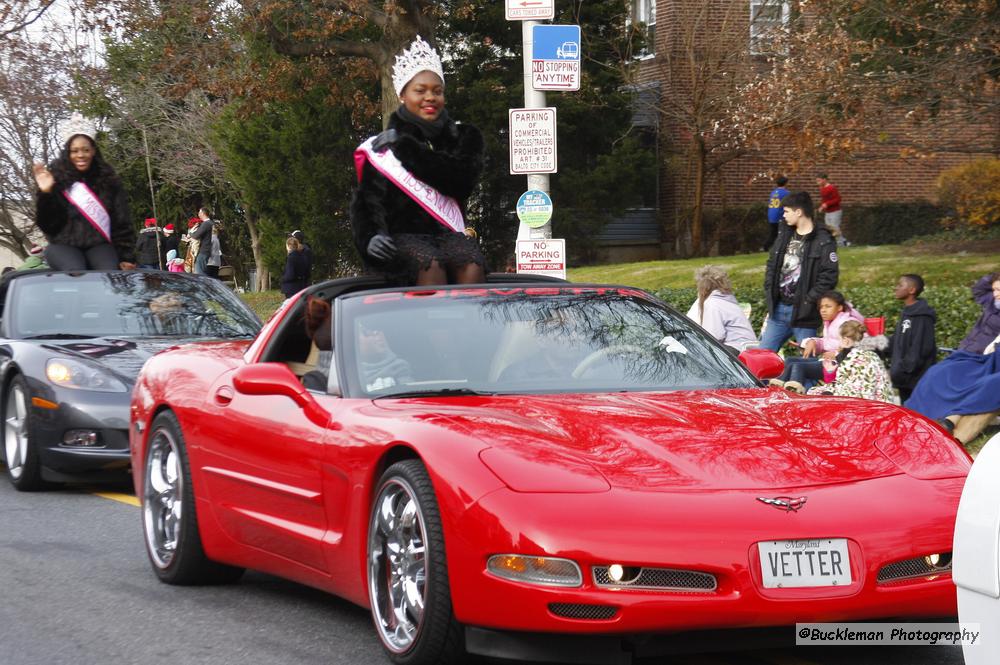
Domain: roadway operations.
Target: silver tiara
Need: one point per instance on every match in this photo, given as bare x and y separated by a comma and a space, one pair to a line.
76, 125
420, 57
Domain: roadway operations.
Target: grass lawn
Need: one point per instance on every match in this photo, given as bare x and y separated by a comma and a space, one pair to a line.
957, 264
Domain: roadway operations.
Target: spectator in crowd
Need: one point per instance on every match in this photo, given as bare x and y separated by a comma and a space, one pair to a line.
801, 267
860, 370
202, 236
802, 373
414, 234
168, 242
193, 244
963, 390
829, 205
307, 250
215, 255
35, 260
775, 210
82, 207
293, 279
912, 347
717, 311
147, 250
174, 262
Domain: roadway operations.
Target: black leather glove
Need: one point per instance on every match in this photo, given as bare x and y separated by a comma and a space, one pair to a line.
385, 140
381, 247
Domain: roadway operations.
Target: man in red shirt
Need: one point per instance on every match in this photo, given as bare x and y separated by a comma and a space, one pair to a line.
829, 197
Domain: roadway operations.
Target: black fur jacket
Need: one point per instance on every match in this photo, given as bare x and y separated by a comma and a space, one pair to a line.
451, 163
63, 224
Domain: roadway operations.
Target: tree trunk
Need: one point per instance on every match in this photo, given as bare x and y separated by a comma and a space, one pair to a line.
699, 197
258, 258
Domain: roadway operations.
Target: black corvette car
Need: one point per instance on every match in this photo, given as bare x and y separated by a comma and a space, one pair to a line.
71, 347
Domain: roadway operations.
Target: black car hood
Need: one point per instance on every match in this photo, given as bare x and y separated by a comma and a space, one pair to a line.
123, 357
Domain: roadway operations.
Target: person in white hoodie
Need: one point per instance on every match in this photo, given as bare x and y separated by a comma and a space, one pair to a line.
802, 373
717, 310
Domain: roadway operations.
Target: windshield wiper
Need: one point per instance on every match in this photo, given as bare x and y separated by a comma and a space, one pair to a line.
438, 392
60, 336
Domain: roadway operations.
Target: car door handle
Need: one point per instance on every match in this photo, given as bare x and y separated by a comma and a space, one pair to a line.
223, 396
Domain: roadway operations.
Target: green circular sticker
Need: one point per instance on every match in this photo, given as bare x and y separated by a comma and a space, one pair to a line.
534, 208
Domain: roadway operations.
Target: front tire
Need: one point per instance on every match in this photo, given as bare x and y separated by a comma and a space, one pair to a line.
169, 521
407, 570
20, 453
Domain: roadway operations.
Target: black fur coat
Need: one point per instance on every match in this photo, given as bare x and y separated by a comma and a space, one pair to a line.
451, 164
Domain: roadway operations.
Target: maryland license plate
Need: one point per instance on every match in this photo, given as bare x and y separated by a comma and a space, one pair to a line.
788, 564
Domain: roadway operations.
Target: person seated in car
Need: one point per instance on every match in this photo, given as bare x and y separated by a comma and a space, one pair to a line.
319, 329
380, 368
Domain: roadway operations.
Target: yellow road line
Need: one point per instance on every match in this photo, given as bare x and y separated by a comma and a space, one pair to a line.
115, 496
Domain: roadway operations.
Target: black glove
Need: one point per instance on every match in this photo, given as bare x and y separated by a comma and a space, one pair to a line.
385, 140
381, 247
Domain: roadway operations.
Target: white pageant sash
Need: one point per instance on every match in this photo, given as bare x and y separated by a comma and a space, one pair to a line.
84, 200
444, 209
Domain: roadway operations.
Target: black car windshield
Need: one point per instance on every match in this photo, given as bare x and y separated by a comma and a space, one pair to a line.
124, 304
464, 341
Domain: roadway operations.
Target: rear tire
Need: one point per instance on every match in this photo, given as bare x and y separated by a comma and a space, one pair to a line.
20, 453
169, 521
408, 571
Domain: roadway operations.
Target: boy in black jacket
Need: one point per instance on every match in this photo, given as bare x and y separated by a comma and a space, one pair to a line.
913, 348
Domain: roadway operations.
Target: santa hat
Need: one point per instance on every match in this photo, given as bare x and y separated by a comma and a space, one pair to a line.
36, 250
420, 57
77, 125
194, 221
168, 229
150, 221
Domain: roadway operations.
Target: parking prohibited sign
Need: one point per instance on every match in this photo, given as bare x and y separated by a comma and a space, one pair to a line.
532, 135
555, 57
530, 10
542, 257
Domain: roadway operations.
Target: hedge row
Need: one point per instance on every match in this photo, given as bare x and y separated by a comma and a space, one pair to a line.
956, 311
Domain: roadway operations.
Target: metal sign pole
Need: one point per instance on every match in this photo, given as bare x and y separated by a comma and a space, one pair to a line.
533, 99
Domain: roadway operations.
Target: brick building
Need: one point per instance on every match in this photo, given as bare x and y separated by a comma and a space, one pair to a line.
690, 45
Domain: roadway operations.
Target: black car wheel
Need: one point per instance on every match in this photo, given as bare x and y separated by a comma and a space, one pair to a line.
169, 522
408, 572
20, 455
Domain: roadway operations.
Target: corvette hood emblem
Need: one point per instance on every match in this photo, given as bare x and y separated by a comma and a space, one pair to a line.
786, 503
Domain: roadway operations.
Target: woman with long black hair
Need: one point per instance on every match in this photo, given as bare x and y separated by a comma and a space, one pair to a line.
81, 206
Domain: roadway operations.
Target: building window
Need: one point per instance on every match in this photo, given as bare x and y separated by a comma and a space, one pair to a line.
768, 21
644, 18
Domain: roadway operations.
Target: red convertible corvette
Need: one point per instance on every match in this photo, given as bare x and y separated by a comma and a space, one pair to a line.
519, 465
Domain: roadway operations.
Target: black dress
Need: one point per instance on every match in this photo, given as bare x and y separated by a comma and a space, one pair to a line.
451, 162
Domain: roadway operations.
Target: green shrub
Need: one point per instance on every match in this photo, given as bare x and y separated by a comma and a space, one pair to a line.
971, 192
890, 223
956, 310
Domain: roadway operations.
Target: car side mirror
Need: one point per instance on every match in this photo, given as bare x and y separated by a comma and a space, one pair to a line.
763, 363
276, 379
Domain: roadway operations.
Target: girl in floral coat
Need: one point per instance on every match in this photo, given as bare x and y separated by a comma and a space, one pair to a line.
860, 371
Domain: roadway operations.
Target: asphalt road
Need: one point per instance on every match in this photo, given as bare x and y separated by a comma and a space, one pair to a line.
76, 589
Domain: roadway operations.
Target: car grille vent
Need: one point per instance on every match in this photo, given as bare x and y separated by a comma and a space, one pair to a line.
910, 569
580, 611
659, 579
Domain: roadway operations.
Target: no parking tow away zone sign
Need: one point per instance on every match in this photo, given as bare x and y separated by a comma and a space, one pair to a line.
542, 257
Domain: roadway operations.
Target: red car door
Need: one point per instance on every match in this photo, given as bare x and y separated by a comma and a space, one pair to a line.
262, 471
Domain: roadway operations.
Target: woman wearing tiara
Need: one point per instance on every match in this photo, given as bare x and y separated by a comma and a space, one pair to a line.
408, 212
82, 207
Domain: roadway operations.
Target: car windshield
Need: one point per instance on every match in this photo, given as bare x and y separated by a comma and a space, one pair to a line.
124, 304
525, 340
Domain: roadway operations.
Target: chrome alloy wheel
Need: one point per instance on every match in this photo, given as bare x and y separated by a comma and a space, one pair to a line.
162, 497
397, 565
15, 431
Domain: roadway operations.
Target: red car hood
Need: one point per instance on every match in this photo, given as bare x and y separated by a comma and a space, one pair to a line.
735, 439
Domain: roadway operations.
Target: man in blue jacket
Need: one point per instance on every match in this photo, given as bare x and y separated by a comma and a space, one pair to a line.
775, 211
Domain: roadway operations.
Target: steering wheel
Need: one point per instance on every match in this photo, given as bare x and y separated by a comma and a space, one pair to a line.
601, 354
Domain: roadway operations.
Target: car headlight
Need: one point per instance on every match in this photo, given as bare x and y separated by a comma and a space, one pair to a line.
81, 376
